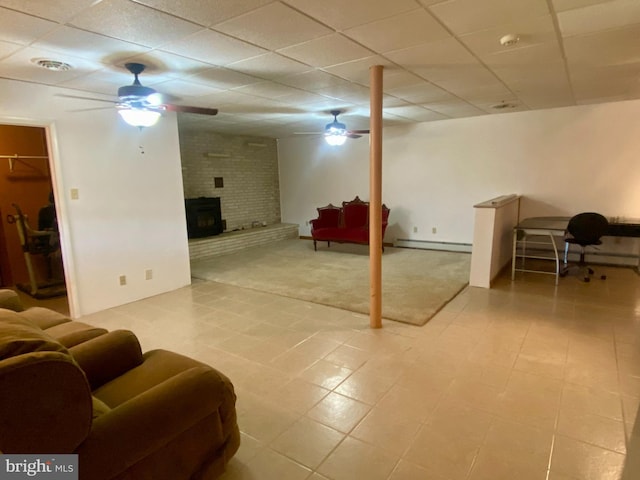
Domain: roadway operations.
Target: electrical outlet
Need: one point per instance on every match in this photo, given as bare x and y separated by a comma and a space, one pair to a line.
415, 229
434, 230
75, 194
148, 274
123, 279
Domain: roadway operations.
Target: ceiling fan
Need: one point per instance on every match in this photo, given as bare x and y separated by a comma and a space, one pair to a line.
336, 133
142, 106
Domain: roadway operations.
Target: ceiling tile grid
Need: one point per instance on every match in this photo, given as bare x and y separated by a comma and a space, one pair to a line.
292, 61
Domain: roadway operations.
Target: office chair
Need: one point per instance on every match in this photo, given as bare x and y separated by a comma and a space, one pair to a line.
584, 229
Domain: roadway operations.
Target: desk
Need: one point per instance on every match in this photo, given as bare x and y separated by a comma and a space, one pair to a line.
548, 228
545, 227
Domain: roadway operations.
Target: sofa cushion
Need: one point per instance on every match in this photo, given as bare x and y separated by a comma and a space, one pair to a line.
18, 335
44, 317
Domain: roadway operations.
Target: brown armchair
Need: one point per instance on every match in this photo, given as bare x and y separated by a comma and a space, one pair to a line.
127, 415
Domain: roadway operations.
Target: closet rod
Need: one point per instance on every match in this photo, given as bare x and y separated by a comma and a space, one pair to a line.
15, 156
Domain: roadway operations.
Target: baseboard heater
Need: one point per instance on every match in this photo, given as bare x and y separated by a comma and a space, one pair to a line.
431, 245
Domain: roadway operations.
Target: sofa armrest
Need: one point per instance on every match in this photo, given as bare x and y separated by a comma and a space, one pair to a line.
10, 300
108, 356
126, 434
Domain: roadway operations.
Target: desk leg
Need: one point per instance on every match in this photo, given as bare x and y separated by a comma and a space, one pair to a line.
555, 251
513, 255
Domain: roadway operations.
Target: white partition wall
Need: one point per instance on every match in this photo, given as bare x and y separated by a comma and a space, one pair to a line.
494, 221
128, 216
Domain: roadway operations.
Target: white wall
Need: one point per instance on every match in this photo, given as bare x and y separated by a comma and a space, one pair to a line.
563, 161
130, 213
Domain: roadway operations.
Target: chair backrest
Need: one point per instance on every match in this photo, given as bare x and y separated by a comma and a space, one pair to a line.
355, 214
587, 228
328, 216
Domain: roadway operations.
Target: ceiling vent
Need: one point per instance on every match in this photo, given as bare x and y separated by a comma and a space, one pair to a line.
54, 65
504, 106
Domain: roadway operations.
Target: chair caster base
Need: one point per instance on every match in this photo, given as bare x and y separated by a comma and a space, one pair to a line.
603, 277
587, 279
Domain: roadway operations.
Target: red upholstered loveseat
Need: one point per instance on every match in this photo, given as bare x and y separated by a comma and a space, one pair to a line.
349, 224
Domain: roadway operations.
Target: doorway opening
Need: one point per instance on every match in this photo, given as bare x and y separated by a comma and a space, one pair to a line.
30, 258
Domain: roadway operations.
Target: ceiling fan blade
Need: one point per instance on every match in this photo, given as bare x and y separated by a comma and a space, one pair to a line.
89, 109
85, 98
361, 132
352, 135
308, 133
187, 109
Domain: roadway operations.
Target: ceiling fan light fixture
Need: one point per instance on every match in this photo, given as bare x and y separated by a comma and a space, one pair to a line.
335, 139
139, 117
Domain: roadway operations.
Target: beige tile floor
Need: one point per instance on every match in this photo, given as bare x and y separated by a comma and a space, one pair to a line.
525, 381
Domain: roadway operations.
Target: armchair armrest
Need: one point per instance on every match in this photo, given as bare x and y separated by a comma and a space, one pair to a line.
108, 356
126, 434
10, 300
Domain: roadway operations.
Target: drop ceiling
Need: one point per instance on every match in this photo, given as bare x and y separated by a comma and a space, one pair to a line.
277, 67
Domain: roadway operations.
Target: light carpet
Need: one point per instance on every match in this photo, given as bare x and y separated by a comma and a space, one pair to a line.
416, 284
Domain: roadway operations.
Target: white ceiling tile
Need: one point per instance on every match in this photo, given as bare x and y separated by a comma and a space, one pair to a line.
100, 81
169, 64
420, 93
56, 10
7, 48
472, 71
223, 78
358, 70
205, 12
417, 113
312, 80
602, 16
199, 46
611, 47
273, 26
455, 108
395, 77
619, 81
328, 50
538, 56
562, 5
530, 31
269, 66
400, 31
90, 46
302, 98
133, 22
20, 65
472, 83
184, 89
342, 15
267, 89
23, 29
350, 93
466, 16
438, 54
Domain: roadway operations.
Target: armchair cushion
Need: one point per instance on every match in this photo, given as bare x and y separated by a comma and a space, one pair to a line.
18, 336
